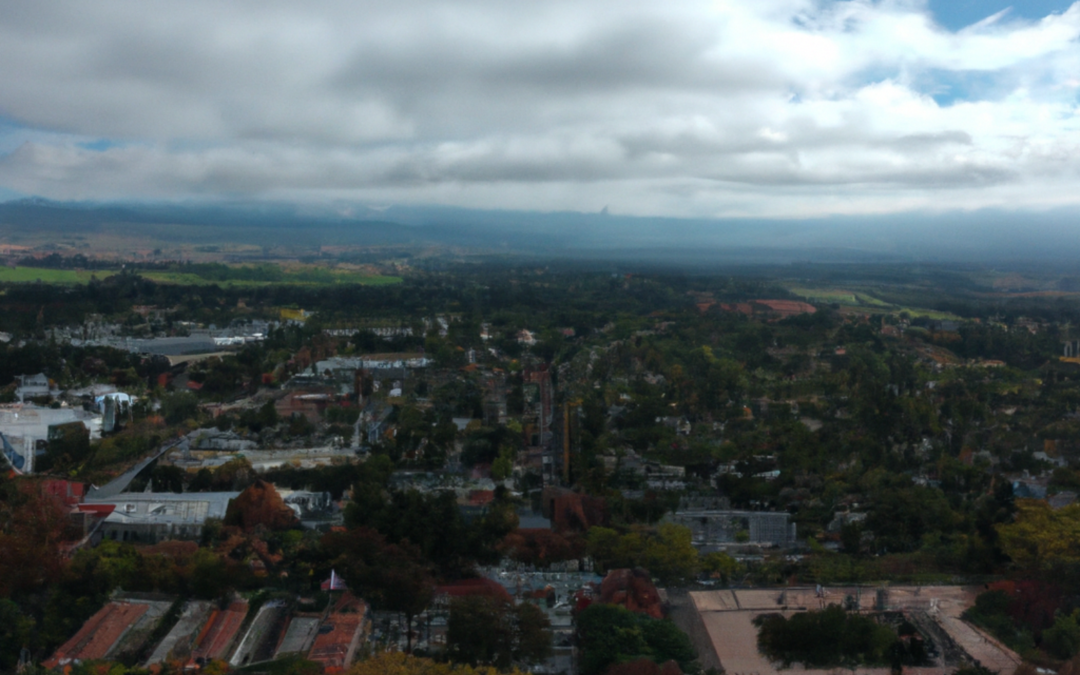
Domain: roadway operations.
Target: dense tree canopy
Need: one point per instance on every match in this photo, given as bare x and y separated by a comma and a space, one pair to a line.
611, 634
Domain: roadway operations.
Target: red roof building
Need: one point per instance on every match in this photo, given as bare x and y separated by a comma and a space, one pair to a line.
340, 635
470, 587
481, 497
217, 636
310, 403
100, 634
781, 308
70, 493
784, 308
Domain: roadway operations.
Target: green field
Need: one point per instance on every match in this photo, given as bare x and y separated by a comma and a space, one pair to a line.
840, 296
323, 277
335, 278
50, 276
864, 301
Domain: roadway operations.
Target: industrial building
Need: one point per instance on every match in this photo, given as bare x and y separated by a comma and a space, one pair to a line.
713, 530
150, 517
34, 386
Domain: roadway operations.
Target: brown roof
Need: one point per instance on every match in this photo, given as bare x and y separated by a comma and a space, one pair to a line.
740, 307
100, 633
481, 497
334, 649
467, 587
220, 631
787, 306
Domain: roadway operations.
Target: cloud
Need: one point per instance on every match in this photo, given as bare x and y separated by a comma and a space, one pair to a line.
704, 108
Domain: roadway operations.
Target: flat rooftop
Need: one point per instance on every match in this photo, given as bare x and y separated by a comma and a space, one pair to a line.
728, 615
145, 508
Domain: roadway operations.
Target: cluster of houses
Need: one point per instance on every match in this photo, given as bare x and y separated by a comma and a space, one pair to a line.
27, 426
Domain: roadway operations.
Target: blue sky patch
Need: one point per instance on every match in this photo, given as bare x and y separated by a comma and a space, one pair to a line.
7, 195
100, 145
950, 86
957, 14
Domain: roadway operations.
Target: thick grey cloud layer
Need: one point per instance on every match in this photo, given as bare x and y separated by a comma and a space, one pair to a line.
719, 107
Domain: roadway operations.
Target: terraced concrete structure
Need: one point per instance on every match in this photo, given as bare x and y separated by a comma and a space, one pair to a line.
264, 628
340, 634
299, 635
336, 648
177, 643
728, 616
216, 639
204, 632
119, 626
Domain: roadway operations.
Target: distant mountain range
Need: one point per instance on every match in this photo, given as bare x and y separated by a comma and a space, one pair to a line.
982, 236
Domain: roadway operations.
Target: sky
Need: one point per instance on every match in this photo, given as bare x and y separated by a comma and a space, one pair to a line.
711, 108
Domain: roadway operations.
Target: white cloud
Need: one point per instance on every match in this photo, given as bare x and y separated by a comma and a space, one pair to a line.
766, 107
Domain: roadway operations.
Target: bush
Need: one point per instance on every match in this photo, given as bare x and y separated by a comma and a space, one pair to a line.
1062, 640
179, 407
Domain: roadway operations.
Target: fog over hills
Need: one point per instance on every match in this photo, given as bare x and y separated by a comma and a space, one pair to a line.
739, 131
985, 236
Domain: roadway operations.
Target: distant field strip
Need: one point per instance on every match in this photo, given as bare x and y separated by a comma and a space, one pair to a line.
31, 275
287, 279
866, 301
839, 295
826, 295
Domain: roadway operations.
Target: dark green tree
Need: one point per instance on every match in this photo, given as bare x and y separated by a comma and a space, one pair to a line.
485, 630
612, 634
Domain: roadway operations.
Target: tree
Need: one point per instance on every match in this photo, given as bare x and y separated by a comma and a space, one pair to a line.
209, 575
15, 630
235, 474
503, 466
398, 663
542, 547
901, 514
603, 546
393, 577
431, 522
825, 639
259, 506
68, 444
718, 564
670, 555
1062, 639
202, 482
1043, 540
168, 478
178, 407
611, 634
484, 630
667, 552
299, 426
32, 525
265, 417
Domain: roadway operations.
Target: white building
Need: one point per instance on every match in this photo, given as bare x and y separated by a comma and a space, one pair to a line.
151, 517
26, 427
